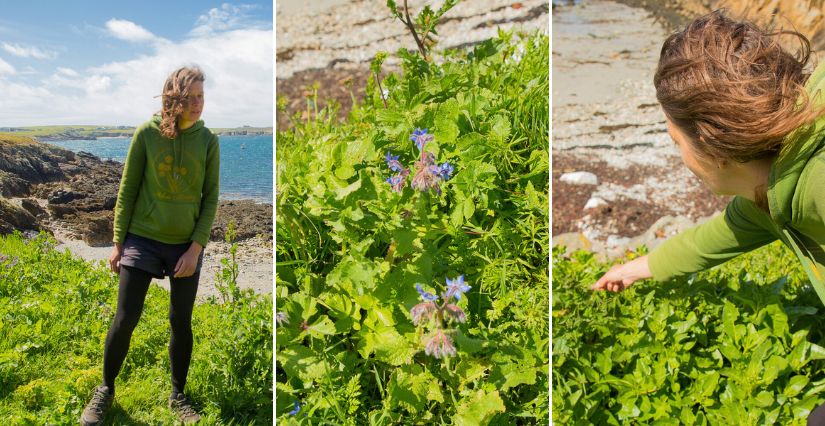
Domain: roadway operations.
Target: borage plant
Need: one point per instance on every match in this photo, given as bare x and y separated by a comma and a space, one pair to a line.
439, 317
428, 175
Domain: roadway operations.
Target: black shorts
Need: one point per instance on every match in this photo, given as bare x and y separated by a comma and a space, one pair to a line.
154, 257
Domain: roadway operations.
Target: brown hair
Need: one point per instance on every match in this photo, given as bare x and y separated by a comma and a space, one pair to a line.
175, 97
732, 87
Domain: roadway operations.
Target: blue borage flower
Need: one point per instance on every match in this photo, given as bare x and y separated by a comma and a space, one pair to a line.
446, 170
393, 163
296, 409
421, 137
425, 295
456, 287
428, 175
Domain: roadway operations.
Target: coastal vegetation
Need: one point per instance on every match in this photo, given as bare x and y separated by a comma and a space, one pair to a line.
741, 343
55, 310
412, 242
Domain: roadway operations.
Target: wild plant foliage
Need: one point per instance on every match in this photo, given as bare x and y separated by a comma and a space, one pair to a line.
412, 245
739, 344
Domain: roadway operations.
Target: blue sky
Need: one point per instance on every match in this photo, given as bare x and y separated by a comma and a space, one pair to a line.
99, 62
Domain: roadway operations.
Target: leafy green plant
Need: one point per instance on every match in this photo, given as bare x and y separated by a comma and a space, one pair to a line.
353, 242
55, 311
739, 344
423, 27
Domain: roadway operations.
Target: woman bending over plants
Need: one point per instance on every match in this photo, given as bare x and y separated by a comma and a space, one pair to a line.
748, 120
163, 217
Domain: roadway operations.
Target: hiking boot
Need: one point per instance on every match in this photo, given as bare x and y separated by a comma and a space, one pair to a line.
96, 408
183, 408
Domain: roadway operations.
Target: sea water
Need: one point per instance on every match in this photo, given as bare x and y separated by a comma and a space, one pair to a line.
246, 162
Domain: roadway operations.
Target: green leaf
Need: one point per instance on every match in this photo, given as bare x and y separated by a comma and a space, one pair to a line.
323, 326
478, 408
387, 344
412, 387
469, 208
500, 128
729, 316
795, 385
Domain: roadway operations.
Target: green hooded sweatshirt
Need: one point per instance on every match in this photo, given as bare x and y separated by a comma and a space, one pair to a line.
796, 199
169, 189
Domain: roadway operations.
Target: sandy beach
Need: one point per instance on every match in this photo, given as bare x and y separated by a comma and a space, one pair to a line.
607, 122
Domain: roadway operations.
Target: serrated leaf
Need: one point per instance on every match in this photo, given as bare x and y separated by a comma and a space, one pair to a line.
389, 346
412, 388
478, 408
323, 326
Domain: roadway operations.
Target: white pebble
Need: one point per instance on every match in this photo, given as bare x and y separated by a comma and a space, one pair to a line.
580, 178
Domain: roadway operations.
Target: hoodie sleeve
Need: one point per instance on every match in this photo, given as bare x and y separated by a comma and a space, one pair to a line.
209, 200
129, 186
741, 228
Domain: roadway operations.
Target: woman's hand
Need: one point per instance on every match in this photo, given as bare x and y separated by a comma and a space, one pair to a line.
623, 276
114, 258
188, 262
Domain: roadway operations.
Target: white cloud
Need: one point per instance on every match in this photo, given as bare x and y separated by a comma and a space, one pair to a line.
239, 84
29, 52
225, 18
67, 72
5, 67
129, 31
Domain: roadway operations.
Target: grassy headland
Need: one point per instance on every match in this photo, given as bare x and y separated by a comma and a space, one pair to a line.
56, 310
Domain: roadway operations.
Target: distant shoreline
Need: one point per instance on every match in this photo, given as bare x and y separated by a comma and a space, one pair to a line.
63, 133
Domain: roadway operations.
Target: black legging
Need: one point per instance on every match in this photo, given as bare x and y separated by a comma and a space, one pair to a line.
134, 283
817, 416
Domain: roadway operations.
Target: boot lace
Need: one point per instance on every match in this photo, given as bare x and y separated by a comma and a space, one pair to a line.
184, 407
98, 402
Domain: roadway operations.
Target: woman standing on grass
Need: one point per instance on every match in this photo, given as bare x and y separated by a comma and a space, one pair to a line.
749, 122
163, 217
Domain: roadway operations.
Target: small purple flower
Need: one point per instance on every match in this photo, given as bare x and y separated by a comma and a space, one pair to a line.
421, 137
439, 345
296, 409
393, 163
445, 171
425, 295
456, 288
423, 312
455, 313
13, 262
281, 318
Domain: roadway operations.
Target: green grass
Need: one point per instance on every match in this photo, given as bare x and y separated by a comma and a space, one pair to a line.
55, 311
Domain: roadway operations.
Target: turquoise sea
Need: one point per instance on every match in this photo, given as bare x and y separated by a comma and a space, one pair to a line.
246, 162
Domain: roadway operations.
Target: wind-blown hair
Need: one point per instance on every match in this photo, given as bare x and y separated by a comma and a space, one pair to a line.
175, 97
732, 88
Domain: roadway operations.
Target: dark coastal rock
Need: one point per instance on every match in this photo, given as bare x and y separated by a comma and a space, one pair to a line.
33, 207
250, 219
99, 231
13, 217
80, 191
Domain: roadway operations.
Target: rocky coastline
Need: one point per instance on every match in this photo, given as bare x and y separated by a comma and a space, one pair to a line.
47, 188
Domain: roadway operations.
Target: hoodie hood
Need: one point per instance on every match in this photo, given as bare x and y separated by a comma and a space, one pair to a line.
155, 123
788, 166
